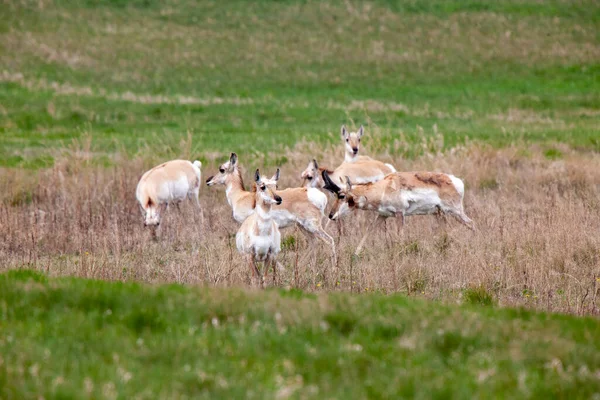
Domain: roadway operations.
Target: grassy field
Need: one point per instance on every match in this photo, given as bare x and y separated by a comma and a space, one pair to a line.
504, 94
74, 338
252, 77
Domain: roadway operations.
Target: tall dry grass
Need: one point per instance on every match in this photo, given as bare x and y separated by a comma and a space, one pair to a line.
537, 243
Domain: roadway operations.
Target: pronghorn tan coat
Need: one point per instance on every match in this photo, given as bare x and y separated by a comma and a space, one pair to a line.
258, 237
169, 182
304, 207
351, 142
401, 194
361, 171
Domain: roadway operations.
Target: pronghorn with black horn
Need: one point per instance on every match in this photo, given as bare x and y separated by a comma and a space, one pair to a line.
170, 182
400, 194
302, 206
259, 238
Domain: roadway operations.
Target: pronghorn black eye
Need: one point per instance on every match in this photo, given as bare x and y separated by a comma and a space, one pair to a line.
262, 188
341, 196
347, 140
221, 170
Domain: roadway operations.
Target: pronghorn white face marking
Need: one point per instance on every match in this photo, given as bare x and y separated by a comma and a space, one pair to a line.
224, 170
311, 173
265, 192
351, 142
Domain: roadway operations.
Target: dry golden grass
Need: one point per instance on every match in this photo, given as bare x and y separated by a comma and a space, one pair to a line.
537, 243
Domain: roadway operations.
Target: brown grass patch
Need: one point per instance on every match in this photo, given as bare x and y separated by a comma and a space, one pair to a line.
537, 244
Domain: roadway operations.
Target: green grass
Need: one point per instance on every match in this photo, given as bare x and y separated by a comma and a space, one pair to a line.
261, 75
74, 338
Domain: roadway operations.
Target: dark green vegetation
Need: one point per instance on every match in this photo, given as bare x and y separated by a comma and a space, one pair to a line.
256, 76
65, 338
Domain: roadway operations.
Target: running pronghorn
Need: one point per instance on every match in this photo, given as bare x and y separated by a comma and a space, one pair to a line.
352, 146
401, 194
302, 206
170, 182
259, 238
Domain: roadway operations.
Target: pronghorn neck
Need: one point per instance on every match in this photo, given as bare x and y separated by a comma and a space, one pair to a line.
350, 157
235, 185
262, 209
319, 183
363, 198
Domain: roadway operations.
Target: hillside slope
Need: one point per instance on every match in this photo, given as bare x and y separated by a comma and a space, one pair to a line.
255, 76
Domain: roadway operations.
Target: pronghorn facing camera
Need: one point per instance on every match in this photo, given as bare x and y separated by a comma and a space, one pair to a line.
352, 146
401, 194
352, 143
258, 238
170, 182
304, 207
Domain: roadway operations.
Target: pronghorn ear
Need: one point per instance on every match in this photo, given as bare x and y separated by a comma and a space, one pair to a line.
276, 176
256, 176
348, 183
329, 185
344, 132
361, 131
315, 164
233, 159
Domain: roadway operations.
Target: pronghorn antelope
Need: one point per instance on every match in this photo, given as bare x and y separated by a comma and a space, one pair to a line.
170, 182
352, 146
302, 206
401, 194
259, 238
362, 171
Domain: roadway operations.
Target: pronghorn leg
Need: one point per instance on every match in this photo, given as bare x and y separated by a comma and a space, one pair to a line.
198, 206
253, 267
400, 219
440, 216
325, 237
273, 262
377, 221
153, 233
314, 229
463, 219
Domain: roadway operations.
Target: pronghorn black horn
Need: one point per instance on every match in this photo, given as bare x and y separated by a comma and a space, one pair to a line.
315, 164
329, 185
257, 175
233, 158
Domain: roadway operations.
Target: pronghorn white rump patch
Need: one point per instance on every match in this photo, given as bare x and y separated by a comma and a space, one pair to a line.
458, 184
318, 198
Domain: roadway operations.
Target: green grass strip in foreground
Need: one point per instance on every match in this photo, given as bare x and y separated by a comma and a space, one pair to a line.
72, 338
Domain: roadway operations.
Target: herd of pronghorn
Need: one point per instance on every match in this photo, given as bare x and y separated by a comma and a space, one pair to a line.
359, 182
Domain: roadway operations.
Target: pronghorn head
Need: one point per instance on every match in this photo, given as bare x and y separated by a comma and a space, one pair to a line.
344, 197
311, 174
224, 171
272, 183
264, 191
351, 142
